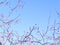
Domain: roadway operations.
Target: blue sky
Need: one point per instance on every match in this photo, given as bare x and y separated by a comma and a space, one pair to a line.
33, 12
38, 12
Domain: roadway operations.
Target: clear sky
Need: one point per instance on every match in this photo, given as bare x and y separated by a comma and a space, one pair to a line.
38, 12
33, 12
